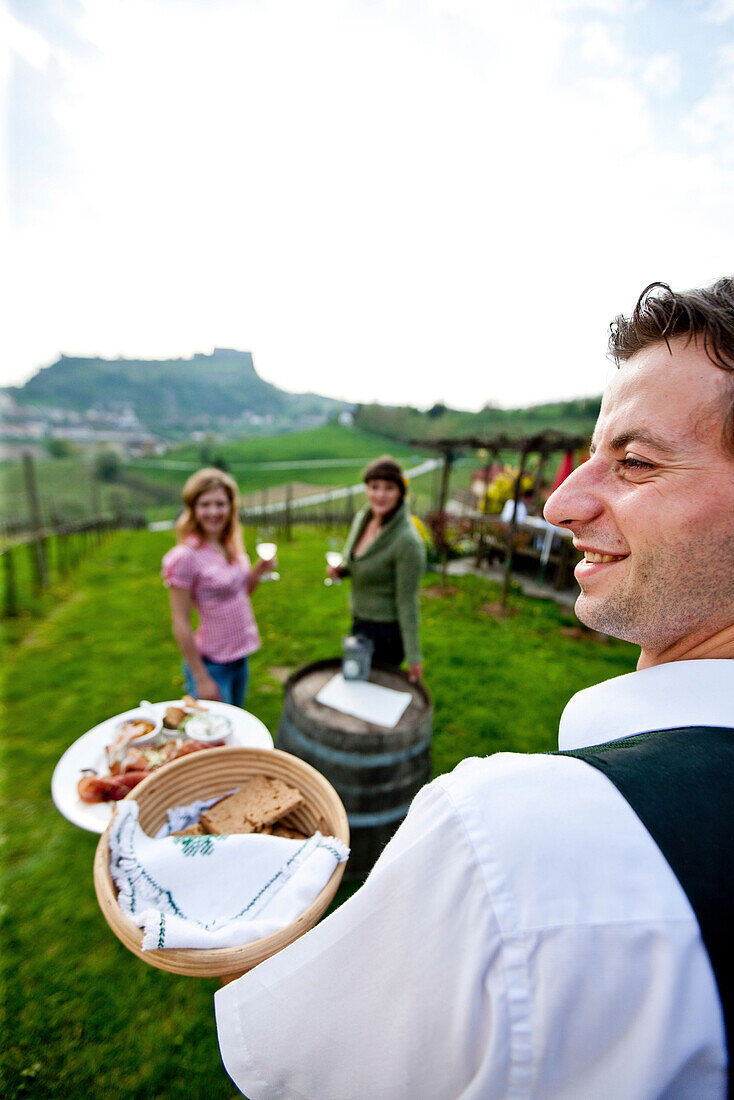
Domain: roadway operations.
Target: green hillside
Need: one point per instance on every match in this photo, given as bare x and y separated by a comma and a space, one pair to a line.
328, 456
573, 417
222, 394
185, 392
330, 441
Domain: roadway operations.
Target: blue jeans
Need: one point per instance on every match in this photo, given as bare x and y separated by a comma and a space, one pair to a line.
231, 678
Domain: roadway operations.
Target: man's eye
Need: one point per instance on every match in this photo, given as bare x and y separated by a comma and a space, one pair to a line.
630, 463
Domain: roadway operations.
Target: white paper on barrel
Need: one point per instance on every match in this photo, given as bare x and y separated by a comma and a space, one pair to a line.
379, 705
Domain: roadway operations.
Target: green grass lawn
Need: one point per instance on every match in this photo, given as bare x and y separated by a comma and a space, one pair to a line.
83, 1016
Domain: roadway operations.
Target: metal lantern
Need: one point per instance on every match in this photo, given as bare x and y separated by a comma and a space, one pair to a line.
357, 657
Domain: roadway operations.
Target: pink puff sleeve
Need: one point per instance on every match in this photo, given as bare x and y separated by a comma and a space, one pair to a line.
179, 567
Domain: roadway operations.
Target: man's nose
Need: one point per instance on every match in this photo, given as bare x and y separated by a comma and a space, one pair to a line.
575, 500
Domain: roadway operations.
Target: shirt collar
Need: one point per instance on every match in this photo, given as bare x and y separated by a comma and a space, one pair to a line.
682, 693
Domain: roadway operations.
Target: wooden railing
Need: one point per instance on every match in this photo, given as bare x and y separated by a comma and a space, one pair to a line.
33, 563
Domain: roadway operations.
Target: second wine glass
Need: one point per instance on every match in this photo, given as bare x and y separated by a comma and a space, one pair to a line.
267, 551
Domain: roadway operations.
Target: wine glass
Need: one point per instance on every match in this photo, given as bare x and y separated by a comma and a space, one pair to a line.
267, 551
334, 559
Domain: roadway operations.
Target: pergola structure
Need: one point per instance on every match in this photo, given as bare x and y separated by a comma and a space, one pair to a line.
542, 444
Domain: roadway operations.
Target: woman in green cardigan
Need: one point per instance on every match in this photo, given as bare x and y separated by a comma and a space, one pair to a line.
385, 557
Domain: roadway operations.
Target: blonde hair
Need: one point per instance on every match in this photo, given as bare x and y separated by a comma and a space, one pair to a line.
187, 524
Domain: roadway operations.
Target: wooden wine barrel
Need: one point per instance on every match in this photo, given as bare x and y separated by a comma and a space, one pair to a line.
375, 770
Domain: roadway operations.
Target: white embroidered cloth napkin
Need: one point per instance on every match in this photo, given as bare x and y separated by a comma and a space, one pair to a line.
215, 891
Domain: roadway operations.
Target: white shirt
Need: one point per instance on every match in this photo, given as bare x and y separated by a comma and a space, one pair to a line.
520, 936
508, 509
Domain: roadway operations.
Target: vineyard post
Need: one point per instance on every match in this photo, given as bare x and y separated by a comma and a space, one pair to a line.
34, 508
52, 554
491, 455
512, 530
538, 482
11, 589
62, 553
443, 495
96, 495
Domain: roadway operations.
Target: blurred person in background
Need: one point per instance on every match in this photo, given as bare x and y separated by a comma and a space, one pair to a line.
209, 572
385, 558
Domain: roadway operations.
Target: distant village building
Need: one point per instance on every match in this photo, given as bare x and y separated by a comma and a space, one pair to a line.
118, 427
247, 416
25, 429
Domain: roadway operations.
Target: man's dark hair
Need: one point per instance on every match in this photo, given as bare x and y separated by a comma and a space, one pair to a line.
705, 315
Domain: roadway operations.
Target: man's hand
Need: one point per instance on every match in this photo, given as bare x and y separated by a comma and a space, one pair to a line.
415, 672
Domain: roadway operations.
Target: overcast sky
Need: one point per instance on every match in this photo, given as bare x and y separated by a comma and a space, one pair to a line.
407, 201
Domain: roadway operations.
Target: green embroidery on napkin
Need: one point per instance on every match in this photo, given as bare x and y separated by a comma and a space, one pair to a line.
198, 845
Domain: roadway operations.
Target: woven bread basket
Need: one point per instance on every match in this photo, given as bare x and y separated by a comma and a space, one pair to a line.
203, 775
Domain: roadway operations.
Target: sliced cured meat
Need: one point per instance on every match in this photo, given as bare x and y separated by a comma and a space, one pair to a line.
137, 764
108, 788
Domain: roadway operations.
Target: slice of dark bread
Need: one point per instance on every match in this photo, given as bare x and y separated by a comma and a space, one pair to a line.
259, 802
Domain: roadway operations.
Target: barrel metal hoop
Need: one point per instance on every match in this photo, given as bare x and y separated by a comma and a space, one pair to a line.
382, 817
352, 759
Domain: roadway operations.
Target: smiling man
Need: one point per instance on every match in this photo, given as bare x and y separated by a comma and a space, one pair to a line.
652, 509
558, 926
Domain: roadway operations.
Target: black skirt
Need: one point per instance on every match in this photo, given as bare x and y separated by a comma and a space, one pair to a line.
386, 638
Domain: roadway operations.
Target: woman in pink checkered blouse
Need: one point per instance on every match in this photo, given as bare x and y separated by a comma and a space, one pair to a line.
209, 571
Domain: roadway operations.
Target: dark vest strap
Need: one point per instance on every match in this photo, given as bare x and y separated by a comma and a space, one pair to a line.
680, 783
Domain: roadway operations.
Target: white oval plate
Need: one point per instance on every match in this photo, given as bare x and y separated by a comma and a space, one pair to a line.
89, 752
